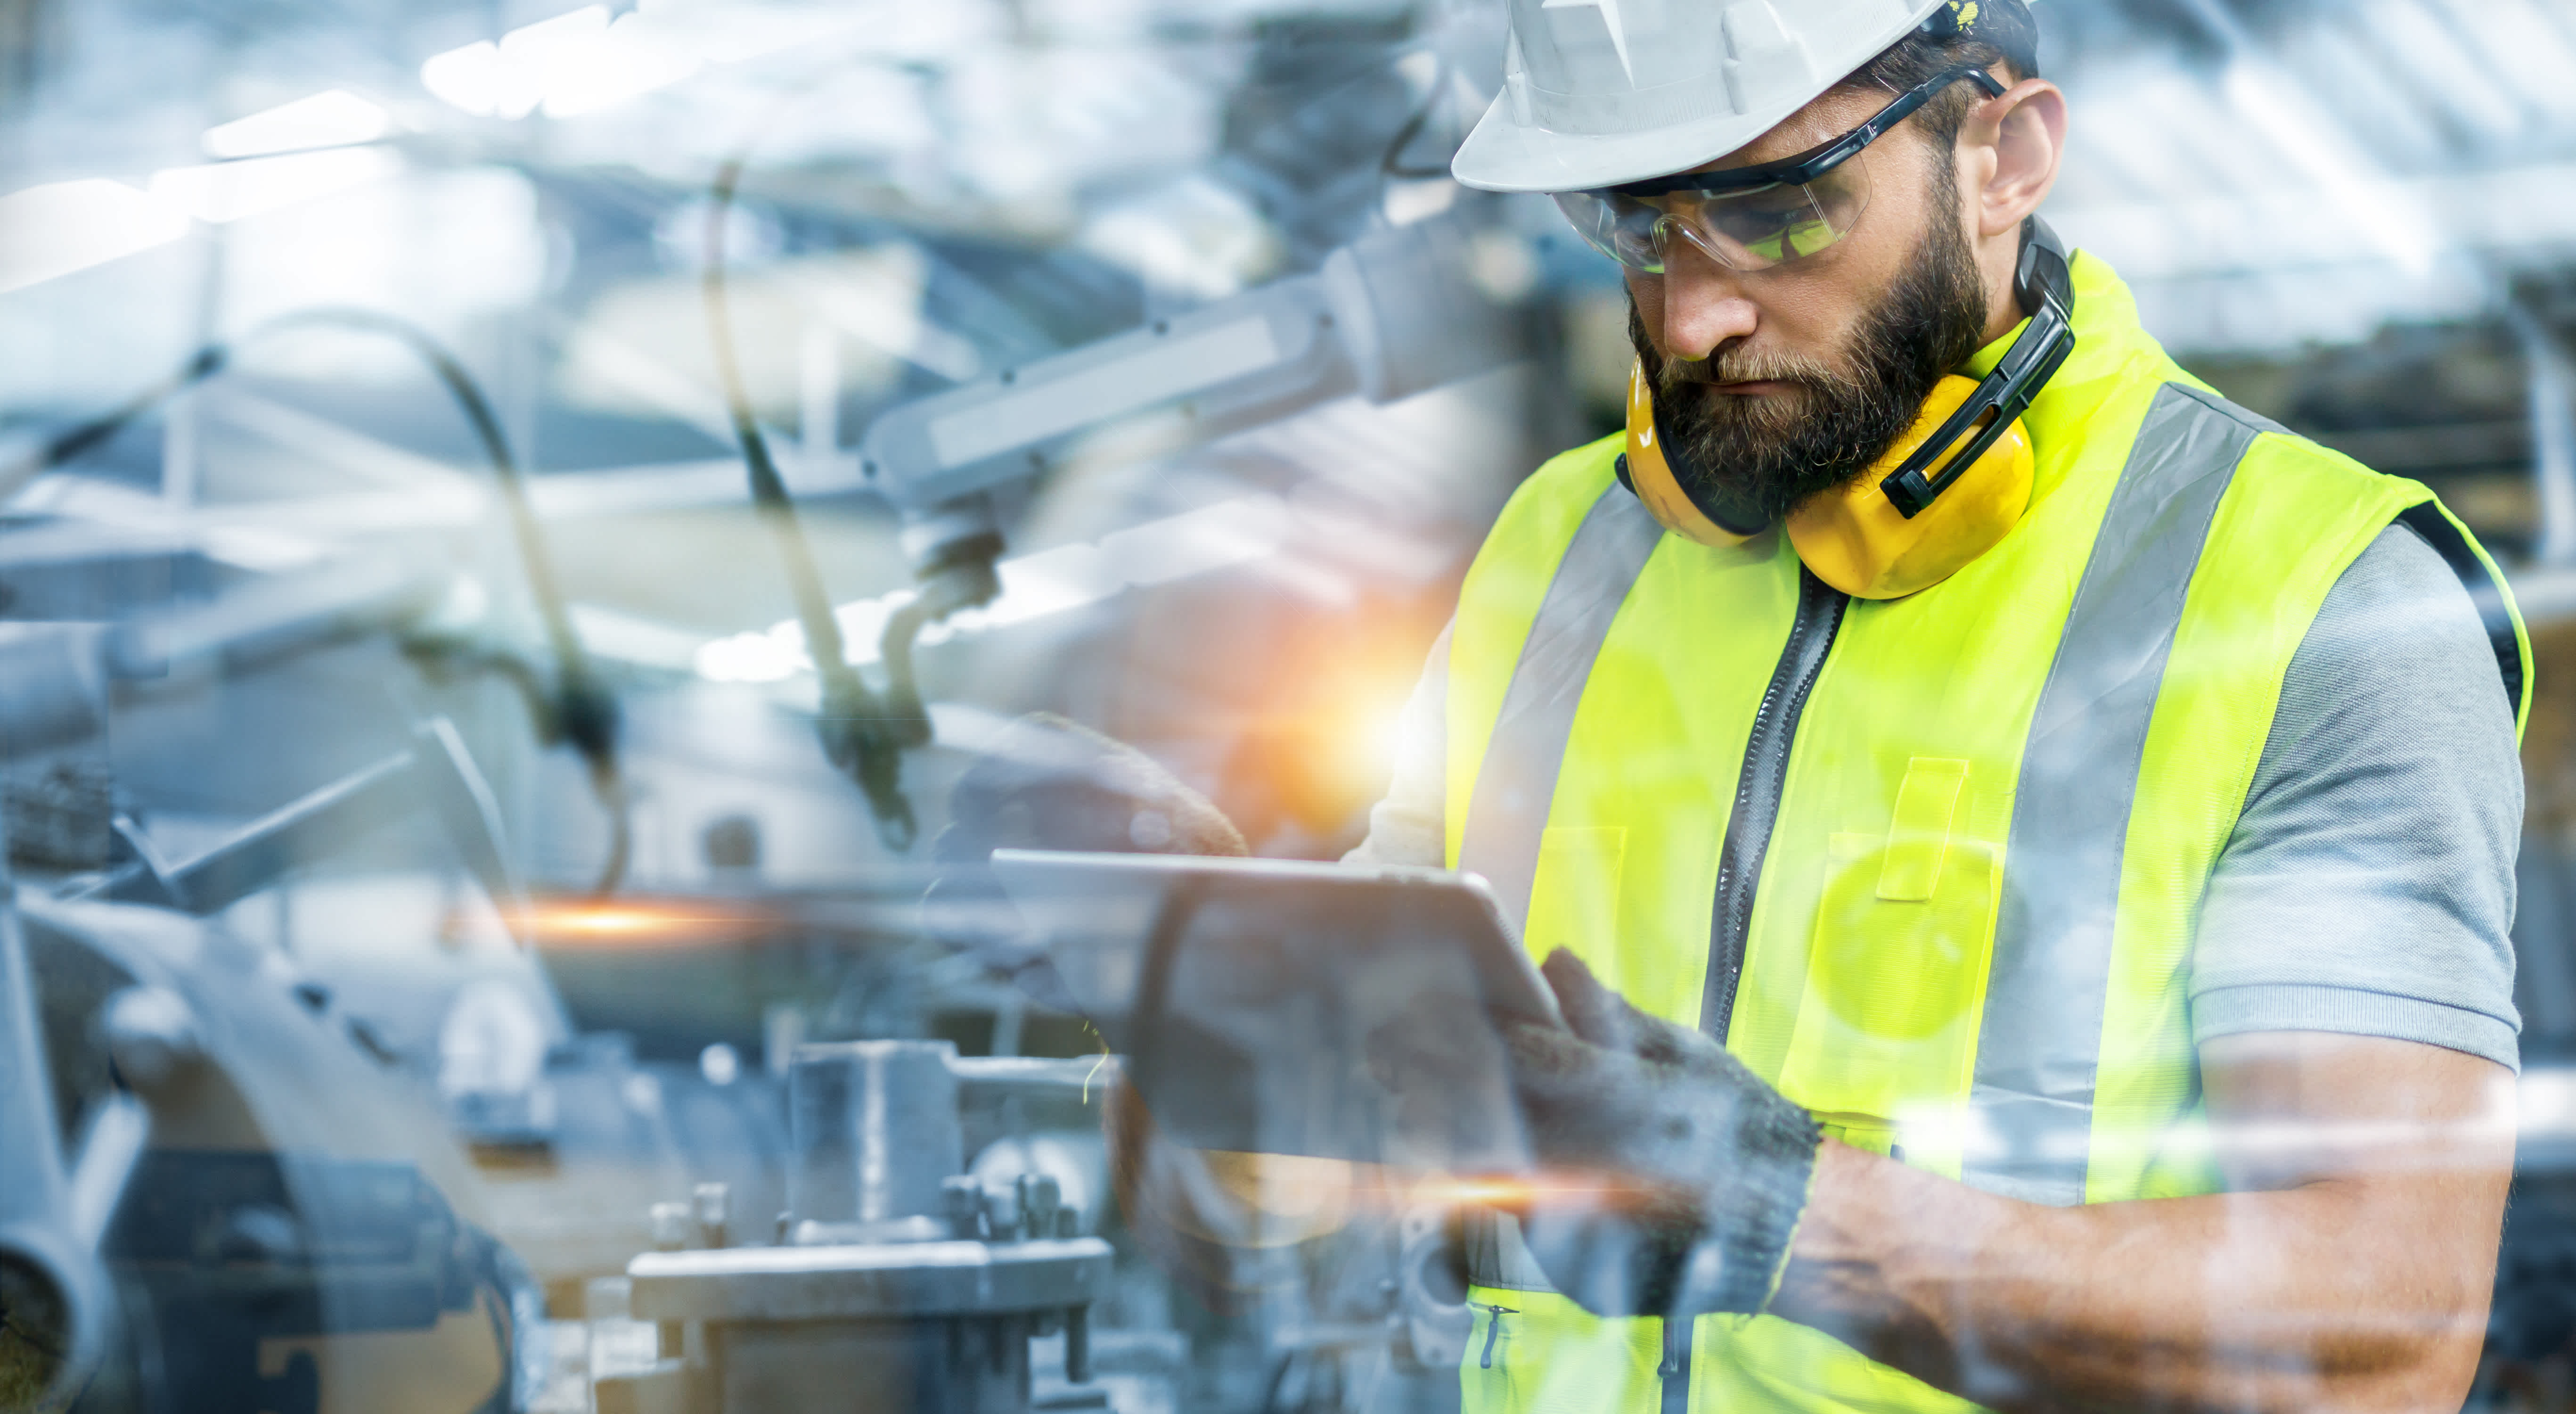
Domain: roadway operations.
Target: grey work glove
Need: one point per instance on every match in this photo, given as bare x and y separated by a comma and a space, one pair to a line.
1675, 1175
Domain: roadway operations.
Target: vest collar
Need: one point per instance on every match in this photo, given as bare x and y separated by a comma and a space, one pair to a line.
2110, 343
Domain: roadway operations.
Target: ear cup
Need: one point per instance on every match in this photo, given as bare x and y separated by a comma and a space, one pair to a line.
1855, 539
1650, 475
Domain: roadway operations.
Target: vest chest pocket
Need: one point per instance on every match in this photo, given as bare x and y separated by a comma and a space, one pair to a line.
1896, 968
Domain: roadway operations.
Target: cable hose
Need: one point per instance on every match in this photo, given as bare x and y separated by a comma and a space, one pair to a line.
862, 734
579, 709
1392, 164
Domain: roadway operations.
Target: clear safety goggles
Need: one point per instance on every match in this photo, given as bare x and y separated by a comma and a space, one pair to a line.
1750, 218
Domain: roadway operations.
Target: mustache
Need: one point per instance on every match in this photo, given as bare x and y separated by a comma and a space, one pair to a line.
1746, 366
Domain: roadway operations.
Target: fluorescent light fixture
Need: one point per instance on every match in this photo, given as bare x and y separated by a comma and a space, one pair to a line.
509, 79
55, 229
467, 78
571, 64
535, 58
230, 191
631, 58
333, 119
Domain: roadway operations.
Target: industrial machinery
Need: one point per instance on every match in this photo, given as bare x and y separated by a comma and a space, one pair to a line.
895, 1279
258, 1215
215, 1192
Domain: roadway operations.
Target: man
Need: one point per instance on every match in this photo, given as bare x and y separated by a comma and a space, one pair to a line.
2079, 981
2128, 910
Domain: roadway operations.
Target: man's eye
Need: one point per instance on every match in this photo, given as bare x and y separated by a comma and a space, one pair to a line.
1767, 216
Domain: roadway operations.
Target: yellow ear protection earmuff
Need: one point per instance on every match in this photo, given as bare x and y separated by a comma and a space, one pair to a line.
1643, 470
1950, 488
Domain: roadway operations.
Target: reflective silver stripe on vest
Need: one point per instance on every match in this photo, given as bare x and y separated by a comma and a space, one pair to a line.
1516, 782
2049, 982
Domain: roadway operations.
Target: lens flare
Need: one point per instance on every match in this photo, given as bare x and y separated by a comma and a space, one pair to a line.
614, 923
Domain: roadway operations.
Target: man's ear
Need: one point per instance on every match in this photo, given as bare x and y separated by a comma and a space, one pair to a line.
2009, 150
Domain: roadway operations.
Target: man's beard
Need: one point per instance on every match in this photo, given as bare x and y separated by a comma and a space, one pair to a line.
1768, 455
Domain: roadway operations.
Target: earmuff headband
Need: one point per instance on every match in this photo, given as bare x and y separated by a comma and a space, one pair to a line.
1971, 19
2045, 289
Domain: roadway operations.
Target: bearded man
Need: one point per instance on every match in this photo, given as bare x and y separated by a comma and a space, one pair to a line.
2023, 848
2046, 953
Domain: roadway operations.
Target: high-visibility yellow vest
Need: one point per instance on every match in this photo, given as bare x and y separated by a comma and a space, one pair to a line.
1929, 865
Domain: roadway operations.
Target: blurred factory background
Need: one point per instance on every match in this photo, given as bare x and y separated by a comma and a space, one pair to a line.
415, 765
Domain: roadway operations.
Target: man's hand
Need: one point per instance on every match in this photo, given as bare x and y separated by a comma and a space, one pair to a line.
2347, 1269
1673, 1177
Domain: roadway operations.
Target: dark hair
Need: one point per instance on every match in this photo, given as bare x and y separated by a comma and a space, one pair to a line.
1980, 32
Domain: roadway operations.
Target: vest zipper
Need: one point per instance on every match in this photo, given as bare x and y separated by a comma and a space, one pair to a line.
1739, 860
1493, 1329
1675, 1371
1758, 791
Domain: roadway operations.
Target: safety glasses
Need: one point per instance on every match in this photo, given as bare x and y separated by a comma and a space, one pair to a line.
1750, 218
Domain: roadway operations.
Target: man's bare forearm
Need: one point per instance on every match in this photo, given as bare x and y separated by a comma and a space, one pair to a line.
2303, 1298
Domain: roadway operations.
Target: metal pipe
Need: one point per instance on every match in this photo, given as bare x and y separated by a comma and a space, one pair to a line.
436, 766
272, 618
117, 1136
50, 1288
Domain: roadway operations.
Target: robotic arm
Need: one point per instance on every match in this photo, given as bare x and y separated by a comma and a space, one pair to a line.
1388, 316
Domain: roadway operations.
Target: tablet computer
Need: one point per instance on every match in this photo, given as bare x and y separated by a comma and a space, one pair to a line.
1265, 1005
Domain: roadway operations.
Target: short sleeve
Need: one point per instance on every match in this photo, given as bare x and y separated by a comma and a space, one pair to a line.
2368, 887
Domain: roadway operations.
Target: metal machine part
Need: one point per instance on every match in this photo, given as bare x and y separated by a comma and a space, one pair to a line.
201, 1164
1432, 1318
55, 678
1388, 316
53, 1300
226, 1255
260, 1216
894, 1281
876, 1133
436, 769
204, 1169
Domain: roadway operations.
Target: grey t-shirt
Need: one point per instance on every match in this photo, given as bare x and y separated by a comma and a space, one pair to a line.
2369, 886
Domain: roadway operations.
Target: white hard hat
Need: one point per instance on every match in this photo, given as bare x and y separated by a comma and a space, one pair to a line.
1600, 92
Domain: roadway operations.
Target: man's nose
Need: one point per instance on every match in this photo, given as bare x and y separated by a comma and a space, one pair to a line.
1705, 308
